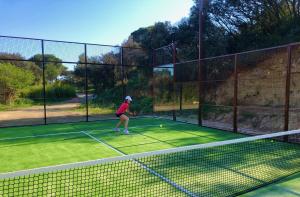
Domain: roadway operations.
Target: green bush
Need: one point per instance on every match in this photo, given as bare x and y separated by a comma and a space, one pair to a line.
12, 81
17, 103
54, 92
112, 98
23, 102
108, 98
142, 105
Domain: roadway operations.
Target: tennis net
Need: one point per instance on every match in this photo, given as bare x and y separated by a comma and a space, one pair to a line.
226, 168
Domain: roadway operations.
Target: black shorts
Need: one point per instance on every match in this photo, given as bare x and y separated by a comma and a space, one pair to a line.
118, 115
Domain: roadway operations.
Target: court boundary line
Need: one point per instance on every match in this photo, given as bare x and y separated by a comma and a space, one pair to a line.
141, 155
37, 136
102, 142
167, 141
76, 132
284, 189
187, 132
144, 166
264, 184
182, 188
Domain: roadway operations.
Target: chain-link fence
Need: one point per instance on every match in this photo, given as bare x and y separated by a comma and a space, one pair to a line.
252, 92
46, 81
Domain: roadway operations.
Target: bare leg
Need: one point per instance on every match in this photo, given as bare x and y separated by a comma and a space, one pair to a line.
119, 123
126, 120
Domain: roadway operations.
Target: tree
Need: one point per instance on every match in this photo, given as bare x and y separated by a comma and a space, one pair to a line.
53, 66
13, 80
252, 24
155, 36
20, 62
230, 26
100, 77
134, 54
163, 85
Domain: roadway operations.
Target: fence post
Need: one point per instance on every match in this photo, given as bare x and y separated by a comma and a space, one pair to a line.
123, 72
86, 84
44, 82
235, 94
180, 97
174, 80
201, 17
152, 81
287, 91
200, 89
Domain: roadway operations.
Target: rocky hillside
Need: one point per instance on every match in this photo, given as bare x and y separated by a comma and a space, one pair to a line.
261, 90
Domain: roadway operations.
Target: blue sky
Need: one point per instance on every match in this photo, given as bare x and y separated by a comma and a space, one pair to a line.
93, 21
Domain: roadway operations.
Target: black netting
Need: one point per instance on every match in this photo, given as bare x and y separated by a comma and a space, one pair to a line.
295, 88
105, 91
63, 52
187, 91
217, 81
65, 94
21, 93
261, 90
224, 170
138, 83
163, 55
163, 91
99, 54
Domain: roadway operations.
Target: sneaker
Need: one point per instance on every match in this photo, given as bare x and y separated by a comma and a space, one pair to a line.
126, 131
116, 129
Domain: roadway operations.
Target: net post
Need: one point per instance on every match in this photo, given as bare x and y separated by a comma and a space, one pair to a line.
86, 84
235, 95
174, 79
287, 91
44, 82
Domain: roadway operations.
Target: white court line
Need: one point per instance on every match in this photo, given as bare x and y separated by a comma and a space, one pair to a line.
136, 156
144, 166
35, 136
101, 142
286, 189
136, 127
142, 155
91, 131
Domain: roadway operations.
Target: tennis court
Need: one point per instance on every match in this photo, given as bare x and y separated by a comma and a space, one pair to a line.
66, 143
160, 157
286, 187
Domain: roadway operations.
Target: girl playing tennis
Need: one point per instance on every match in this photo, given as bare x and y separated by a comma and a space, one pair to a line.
120, 113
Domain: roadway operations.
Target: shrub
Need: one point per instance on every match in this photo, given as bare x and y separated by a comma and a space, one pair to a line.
142, 105
12, 81
54, 92
108, 98
112, 98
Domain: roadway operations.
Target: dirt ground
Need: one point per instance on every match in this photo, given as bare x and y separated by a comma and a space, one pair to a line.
35, 114
60, 112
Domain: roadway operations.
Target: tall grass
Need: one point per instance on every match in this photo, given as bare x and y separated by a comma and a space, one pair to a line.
54, 92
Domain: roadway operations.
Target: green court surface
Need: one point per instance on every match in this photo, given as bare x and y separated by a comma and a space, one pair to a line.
37, 146
216, 171
289, 187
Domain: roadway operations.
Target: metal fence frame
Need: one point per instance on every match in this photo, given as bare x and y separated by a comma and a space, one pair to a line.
174, 61
236, 80
86, 63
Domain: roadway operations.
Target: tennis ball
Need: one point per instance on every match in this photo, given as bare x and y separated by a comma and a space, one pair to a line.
161, 126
